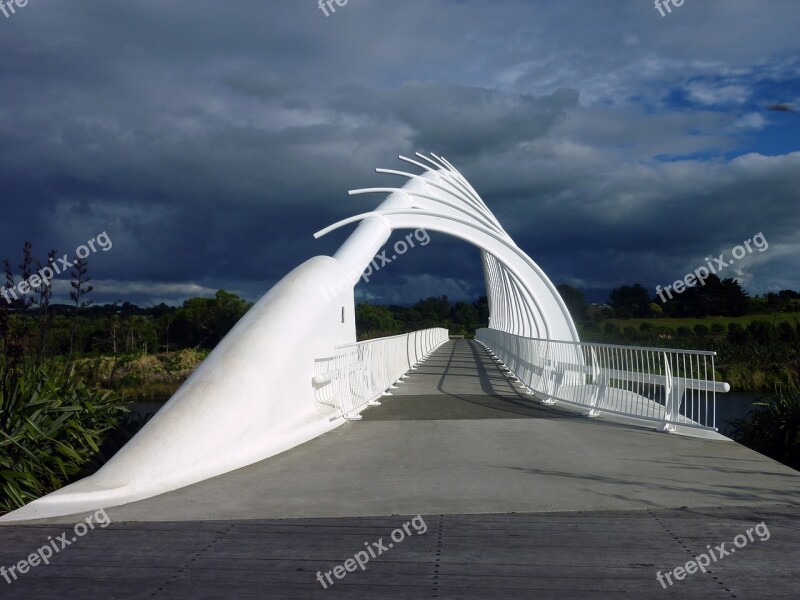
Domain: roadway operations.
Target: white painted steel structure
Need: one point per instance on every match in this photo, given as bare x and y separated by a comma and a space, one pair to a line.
674, 389
291, 367
358, 374
522, 300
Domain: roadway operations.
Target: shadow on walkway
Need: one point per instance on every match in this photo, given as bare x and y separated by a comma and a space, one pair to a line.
460, 381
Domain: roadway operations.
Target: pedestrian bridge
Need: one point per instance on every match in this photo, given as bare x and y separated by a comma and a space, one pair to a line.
520, 500
543, 466
291, 369
460, 435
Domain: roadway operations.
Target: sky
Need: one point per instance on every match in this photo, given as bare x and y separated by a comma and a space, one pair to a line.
209, 140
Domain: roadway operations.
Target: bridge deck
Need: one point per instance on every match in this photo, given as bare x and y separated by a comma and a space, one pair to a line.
520, 500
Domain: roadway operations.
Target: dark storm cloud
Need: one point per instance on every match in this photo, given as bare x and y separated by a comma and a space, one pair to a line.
461, 120
210, 140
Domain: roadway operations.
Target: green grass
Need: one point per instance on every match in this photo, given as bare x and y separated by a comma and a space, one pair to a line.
774, 318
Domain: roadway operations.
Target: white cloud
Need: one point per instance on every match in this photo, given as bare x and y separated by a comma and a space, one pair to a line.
706, 93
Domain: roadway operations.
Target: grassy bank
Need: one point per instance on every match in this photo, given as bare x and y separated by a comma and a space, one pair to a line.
142, 378
673, 323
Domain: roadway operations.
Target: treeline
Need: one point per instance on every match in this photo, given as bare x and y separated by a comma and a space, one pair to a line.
758, 355
117, 329
461, 318
718, 297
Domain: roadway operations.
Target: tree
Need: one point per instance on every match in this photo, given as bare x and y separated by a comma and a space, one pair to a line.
435, 310
465, 313
371, 318
227, 309
718, 297
732, 298
575, 301
482, 306
205, 321
164, 327
630, 301
80, 288
45, 292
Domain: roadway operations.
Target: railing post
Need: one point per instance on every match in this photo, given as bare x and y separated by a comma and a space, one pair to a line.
600, 381
549, 380
673, 393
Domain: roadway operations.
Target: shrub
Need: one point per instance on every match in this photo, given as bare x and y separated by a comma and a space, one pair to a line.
739, 376
786, 333
736, 334
762, 332
701, 330
718, 329
51, 425
773, 429
684, 331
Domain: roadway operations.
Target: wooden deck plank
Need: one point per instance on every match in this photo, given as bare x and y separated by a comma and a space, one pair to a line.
563, 555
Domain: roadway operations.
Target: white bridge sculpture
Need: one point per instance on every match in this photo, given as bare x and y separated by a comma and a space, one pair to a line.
291, 370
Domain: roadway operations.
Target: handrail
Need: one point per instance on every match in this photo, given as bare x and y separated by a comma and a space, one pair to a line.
360, 373
669, 386
388, 337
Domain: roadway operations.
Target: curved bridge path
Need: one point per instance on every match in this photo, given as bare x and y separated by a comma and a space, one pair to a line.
518, 500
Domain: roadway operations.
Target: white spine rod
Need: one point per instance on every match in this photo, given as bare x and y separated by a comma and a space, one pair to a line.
471, 224
441, 199
457, 174
458, 194
432, 198
455, 179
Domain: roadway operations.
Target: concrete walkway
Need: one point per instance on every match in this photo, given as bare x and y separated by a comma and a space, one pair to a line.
519, 501
456, 433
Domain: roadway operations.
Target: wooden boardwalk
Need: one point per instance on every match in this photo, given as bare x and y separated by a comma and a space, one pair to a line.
520, 556
518, 501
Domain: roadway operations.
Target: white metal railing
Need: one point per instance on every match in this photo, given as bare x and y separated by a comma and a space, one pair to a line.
672, 387
358, 374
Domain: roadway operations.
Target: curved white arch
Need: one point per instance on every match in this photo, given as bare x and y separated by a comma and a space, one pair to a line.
522, 299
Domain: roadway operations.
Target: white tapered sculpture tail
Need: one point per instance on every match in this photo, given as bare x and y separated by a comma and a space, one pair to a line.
291, 370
